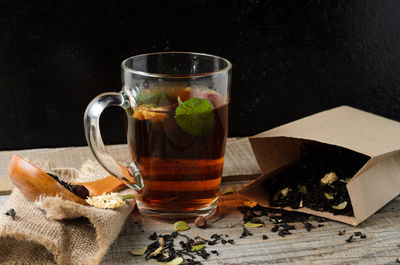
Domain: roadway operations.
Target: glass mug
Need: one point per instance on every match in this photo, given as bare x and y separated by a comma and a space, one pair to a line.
176, 107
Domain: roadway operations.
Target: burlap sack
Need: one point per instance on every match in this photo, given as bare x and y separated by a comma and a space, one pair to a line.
56, 231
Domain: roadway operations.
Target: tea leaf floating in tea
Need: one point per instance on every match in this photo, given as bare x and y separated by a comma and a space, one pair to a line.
139, 251
181, 226
195, 116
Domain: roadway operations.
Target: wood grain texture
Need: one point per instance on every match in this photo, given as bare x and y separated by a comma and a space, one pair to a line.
320, 246
239, 164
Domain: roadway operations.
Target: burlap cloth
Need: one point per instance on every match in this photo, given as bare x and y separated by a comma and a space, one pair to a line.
56, 231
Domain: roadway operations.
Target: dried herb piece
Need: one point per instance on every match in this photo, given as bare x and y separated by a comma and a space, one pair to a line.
197, 247
340, 206
329, 178
363, 236
245, 233
308, 226
265, 237
154, 253
215, 252
153, 236
249, 224
341, 233
127, 197
200, 222
350, 239
398, 260
11, 213
328, 196
175, 261
357, 233
181, 226
139, 251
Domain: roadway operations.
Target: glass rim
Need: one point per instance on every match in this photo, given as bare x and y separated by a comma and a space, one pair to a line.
205, 74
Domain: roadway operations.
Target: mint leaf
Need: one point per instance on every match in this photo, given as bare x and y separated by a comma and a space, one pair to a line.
154, 98
195, 116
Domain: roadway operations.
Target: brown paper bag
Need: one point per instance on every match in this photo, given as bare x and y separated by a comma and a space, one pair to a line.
373, 186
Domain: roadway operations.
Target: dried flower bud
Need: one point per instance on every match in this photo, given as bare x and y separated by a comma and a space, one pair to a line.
200, 222
329, 178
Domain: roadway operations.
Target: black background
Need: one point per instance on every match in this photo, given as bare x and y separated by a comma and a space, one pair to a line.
290, 59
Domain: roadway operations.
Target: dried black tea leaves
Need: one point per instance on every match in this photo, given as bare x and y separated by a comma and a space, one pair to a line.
280, 218
164, 250
350, 239
78, 190
264, 237
11, 213
245, 233
317, 180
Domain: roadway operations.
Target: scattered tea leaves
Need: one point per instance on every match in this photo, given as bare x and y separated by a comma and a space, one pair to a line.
250, 204
227, 191
181, 226
139, 251
197, 247
264, 237
175, 261
398, 260
195, 116
11, 213
154, 253
340, 206
248, 224
341, 233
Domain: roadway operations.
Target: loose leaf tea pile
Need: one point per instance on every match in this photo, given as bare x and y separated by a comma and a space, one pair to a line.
78, 190
164, 250
318, 180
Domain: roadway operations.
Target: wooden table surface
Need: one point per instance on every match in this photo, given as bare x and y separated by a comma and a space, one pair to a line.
321, 245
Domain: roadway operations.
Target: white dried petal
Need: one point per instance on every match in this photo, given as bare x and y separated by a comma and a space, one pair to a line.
106, 201
329, 178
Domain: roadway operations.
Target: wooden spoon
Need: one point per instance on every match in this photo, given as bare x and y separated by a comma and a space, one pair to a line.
34, 182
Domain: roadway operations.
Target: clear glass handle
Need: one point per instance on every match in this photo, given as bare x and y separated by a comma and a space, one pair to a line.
130, 176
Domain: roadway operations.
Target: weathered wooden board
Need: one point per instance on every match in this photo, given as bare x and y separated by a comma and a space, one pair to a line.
322, 245
239, 164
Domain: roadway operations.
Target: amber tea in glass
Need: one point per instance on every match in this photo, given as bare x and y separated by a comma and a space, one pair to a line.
177, 122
